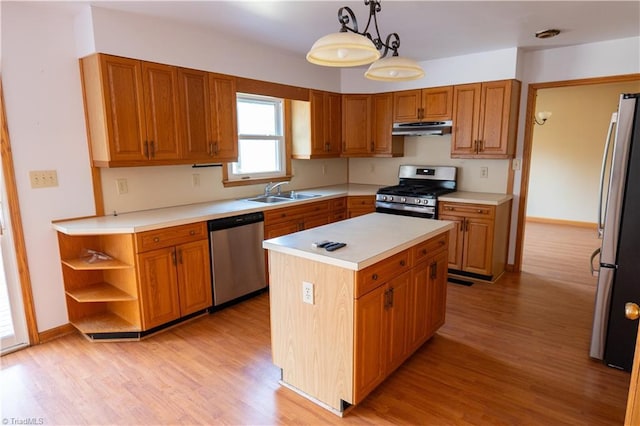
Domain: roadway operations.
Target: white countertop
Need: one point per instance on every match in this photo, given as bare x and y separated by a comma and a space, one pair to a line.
148, 220
369, 238
476, 197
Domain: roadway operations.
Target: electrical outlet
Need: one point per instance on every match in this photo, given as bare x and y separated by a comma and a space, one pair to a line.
123, 187
484, 172
43, 178
307, 292
195, 179
324, 168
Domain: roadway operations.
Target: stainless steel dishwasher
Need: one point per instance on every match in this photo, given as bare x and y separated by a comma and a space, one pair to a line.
237, 257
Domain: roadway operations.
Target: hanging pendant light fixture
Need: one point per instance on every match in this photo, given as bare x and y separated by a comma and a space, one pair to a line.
349, 48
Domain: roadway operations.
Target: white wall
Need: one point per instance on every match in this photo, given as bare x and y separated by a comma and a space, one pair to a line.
610, 58
45, 118
484, 66
568, 149
431, 151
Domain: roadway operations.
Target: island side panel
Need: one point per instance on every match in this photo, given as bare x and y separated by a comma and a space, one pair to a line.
312, 344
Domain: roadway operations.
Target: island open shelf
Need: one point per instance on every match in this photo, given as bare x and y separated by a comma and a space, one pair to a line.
343, 321
99, 292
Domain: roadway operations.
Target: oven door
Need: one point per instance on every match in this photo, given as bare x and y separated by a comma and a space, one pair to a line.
427, 212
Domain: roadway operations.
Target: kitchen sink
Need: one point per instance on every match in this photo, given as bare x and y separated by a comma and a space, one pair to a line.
269, 199
285, 196
292, 195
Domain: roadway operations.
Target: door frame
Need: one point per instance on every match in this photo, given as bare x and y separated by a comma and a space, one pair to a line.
528, 145
13, 207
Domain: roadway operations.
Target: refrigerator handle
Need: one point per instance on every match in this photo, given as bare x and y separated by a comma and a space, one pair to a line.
605, 157
594, 272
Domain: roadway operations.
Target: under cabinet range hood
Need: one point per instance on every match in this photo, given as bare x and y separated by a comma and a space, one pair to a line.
422, 128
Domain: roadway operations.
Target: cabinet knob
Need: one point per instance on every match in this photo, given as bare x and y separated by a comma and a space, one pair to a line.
374, 277
156, 239
402, 262
192, 232
424, 251
479, 211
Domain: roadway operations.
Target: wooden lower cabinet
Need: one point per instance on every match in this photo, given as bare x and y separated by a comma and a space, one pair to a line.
397, 317
362, 325
175, 280
478, 243
150, 279
358, 205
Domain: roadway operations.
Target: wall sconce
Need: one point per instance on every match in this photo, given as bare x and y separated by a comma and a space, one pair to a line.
541, 117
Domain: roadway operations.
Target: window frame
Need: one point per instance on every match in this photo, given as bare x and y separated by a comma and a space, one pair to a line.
229, 178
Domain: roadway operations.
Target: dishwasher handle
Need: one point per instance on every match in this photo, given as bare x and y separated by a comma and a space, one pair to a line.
233, 221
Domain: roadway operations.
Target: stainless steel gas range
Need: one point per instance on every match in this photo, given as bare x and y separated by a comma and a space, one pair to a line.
417, 192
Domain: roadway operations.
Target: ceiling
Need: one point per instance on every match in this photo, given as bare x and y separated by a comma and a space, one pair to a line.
427, 29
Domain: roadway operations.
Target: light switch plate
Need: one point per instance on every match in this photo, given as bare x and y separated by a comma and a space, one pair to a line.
43, 178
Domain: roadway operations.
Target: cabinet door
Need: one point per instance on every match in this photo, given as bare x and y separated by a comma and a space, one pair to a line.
314, 221
159, 292
124, 107
399, 320
370, 342
382, 124
356, 125
319, 125
195, 109
494, 117
194, 276
407, 106
478, 245
223, 100
456, 241
437, 103
161, 111
420, 305
333, 118
466, 116
437, 293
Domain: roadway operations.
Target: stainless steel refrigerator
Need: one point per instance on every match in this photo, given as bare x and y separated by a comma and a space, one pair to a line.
613, 336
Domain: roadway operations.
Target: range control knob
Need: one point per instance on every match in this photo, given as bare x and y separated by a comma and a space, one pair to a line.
418, 200
403, 200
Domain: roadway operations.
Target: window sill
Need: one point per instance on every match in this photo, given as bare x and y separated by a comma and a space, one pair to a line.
246, 182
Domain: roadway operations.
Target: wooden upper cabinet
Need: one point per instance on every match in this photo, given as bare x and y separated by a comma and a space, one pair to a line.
485, 119
432, 104
132, 110
160, 83
207, 106
366, 126
356, 125
381, 127
222, 96
317, 125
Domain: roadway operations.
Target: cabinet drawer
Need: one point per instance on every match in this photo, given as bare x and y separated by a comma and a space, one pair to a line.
429, 248
167, 237
361, 201
295, 212
467, 210
383, 271
338, 203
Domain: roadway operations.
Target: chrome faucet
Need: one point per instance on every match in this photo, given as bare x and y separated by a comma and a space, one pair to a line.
271, 186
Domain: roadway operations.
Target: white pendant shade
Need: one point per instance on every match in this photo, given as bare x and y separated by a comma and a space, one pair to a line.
343, 49
394, 68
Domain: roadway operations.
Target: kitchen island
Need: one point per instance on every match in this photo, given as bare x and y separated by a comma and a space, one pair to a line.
342, 321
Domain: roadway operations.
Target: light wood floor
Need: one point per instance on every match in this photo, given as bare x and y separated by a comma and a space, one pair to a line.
512, 352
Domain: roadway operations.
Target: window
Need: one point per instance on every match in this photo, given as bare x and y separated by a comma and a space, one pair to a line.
261, 144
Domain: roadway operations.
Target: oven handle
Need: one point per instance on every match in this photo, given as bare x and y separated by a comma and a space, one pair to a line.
406, 207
